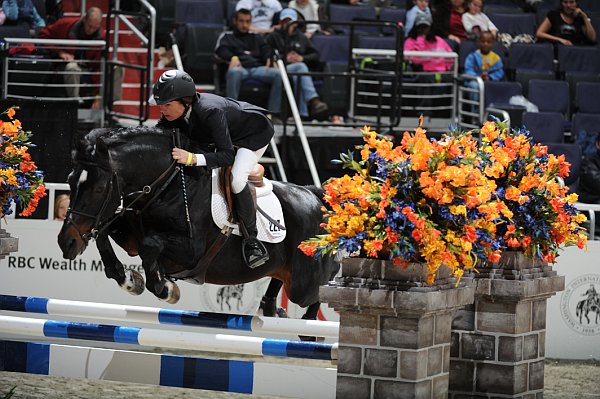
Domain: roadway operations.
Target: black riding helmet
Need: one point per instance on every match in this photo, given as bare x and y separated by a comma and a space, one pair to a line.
172, 85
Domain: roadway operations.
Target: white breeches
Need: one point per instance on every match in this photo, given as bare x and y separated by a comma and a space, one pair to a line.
245, 162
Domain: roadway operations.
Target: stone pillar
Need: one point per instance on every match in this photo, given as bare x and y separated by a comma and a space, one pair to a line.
498, 342
8, 244
394, 337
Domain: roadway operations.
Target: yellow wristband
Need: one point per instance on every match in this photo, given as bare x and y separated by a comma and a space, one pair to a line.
235, 57
190, 158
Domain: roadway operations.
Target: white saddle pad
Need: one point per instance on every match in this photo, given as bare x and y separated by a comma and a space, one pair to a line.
267, 201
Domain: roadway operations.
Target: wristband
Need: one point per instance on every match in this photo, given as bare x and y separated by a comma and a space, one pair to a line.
190, 158
235, 57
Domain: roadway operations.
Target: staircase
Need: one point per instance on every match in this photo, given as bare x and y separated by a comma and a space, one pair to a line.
131, 50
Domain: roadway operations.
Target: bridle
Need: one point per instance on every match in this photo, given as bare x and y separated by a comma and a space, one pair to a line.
99, 225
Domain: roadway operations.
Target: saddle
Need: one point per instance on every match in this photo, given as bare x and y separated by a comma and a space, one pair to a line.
269, 218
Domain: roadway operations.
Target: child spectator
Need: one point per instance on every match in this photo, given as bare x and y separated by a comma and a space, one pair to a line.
61, 206
484, 62
475, 21
22, 12
409, 19
421, 38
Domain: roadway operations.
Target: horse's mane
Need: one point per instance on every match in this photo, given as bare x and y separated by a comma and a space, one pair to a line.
113, 137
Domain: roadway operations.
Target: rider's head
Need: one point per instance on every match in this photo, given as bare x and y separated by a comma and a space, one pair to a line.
174, 92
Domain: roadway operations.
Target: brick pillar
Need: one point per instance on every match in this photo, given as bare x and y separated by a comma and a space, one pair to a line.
498, 342
394, 329
8, 244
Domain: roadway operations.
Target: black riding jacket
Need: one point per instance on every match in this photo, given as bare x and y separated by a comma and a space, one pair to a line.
218, 124
250, 48
589, 179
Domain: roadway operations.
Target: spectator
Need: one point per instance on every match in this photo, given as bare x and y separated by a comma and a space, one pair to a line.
299, 55
248, 56
262, 13
568, 25
447, 17
475, 21
61, 205
86, 28
409, 19
422, 38
22, 12
589, 177
483, 63
311, 11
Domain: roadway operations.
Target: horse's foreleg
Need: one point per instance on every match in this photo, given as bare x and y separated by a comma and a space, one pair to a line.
130, 280
268, 303
163, 289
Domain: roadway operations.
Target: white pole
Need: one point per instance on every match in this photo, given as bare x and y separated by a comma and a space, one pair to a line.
299, 126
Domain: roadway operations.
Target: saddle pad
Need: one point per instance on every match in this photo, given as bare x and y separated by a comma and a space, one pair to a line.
267, 201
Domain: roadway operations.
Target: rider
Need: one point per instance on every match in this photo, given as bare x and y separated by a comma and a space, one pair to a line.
227, 124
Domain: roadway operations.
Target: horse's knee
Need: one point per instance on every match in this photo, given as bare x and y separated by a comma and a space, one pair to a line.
151, 248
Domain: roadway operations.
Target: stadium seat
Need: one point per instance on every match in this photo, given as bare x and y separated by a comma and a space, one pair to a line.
589, 123
199, 12
550, 96
585, 97
545, 127
573, 155
391, 15
498, 94
344, 13
199, 48
514, 24
332, 48
581, 59
524, 76
377, 42
531, 56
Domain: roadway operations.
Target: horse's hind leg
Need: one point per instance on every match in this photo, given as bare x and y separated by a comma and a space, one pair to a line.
268, 303
130, 280
163, 289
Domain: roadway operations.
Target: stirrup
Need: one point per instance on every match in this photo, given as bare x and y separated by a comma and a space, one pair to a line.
254, 252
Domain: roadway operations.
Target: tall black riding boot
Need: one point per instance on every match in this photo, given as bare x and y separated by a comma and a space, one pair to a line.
253, 251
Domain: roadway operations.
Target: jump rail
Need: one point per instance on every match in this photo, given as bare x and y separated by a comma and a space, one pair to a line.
141, 314
168, 370
244, 345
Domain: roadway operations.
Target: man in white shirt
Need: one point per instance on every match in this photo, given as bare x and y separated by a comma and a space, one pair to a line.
262, 13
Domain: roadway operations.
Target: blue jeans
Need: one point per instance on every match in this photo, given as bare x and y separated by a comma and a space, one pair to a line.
307, 88
235, 76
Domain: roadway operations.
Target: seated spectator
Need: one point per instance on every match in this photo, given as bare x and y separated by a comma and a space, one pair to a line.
568, 25
299, 55
86, 28
447, 17
483, 63
61, 206
310, 11
22, 12
589, 177
262, 13
421, 38
409, 19
248, 56
475, 21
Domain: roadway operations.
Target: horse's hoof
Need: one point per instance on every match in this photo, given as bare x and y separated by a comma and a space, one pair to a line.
134, 282
281, 313
173, 293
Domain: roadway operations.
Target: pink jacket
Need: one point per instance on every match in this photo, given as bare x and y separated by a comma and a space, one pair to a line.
429, 64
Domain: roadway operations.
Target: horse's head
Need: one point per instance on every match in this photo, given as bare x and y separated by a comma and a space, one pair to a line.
95, 197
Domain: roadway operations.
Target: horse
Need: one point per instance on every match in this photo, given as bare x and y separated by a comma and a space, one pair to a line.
585, 306
125, 185
224, 294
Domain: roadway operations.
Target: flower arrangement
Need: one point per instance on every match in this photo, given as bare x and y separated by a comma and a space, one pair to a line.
20, 180
456, 202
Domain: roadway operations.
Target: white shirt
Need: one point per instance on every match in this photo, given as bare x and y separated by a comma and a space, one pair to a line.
310, 12
262, 11
480, 19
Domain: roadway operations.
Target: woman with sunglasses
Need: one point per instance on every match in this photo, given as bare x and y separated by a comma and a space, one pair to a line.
568, 25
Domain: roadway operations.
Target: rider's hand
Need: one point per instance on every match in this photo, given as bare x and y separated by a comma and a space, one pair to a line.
182, 156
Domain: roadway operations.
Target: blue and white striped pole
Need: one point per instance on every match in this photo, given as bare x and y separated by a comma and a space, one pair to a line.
142, 314
243, 345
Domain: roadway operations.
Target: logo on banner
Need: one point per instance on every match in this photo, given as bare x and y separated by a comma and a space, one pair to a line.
239, 299
580, 304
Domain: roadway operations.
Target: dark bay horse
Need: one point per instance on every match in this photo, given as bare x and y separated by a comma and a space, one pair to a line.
126, 186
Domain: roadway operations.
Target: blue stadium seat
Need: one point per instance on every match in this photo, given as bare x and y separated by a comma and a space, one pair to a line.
545, 127
582, 59
572, 153
209, 12
589, 123
531, 56
332, 48
377, 42
391, 15
514, 24
344, 13
585, 97
549, 95
498, 94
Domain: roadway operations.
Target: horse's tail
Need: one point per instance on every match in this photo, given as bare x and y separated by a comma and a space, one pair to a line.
318, 191
579, 307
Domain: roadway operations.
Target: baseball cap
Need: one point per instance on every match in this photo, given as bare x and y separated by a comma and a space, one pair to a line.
288, 13
422, 18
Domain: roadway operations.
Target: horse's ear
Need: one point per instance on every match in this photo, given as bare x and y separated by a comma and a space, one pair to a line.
100, 149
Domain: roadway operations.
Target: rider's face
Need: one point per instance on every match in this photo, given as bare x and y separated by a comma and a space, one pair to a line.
172, 110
